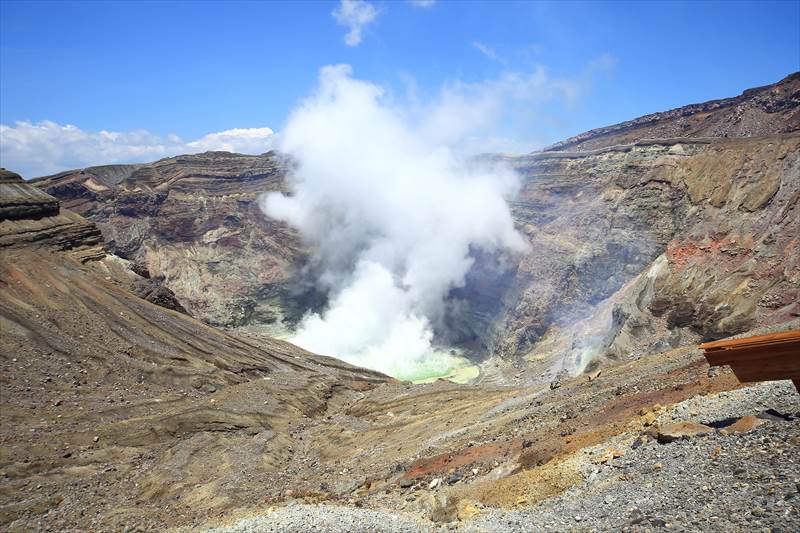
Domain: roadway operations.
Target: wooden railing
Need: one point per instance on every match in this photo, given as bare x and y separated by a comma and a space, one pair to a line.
762, 358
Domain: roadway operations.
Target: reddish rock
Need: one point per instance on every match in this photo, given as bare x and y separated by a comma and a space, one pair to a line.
743, 425
682, 430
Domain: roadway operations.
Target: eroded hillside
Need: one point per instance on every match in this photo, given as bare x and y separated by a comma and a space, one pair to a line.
193, 221
110, 403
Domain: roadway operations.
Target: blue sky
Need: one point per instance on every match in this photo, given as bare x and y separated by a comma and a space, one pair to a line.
148, 70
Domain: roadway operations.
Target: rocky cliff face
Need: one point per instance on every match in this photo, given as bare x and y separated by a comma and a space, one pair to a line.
30, 216
651, 245
194, 222
637, 245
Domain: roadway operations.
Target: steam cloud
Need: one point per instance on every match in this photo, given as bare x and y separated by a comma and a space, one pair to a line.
392, 214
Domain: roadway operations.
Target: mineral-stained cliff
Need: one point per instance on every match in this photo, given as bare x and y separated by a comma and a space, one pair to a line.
654, 244
658, 231
645, 235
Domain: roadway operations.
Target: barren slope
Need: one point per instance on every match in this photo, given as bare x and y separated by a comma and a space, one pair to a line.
115, 411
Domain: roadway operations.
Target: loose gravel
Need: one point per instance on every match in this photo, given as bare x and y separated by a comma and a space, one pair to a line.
717, 483
328, 518
722, 483
778, 395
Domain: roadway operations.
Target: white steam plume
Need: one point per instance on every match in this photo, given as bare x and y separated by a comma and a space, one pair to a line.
392, 215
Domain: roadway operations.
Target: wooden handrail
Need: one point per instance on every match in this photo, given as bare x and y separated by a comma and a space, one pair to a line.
771, 338
761, 358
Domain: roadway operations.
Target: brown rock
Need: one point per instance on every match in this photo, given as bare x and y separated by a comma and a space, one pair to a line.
743, 425
613, 453
682, 430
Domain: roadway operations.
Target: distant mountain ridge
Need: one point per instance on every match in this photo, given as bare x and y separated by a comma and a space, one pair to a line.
760, 111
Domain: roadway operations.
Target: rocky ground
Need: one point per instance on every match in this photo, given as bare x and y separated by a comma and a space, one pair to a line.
301, 517
720, 482
737, 477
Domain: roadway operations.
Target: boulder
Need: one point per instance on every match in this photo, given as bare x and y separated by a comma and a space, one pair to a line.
682, 430
743, 425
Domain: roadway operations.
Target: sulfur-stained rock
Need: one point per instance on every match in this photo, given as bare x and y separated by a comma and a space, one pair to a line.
468, 509
649, 418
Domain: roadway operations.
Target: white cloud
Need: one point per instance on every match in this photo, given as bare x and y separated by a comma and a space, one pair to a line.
355, 15
422, 3
488, 51
243, 140
35, 149
501, 114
